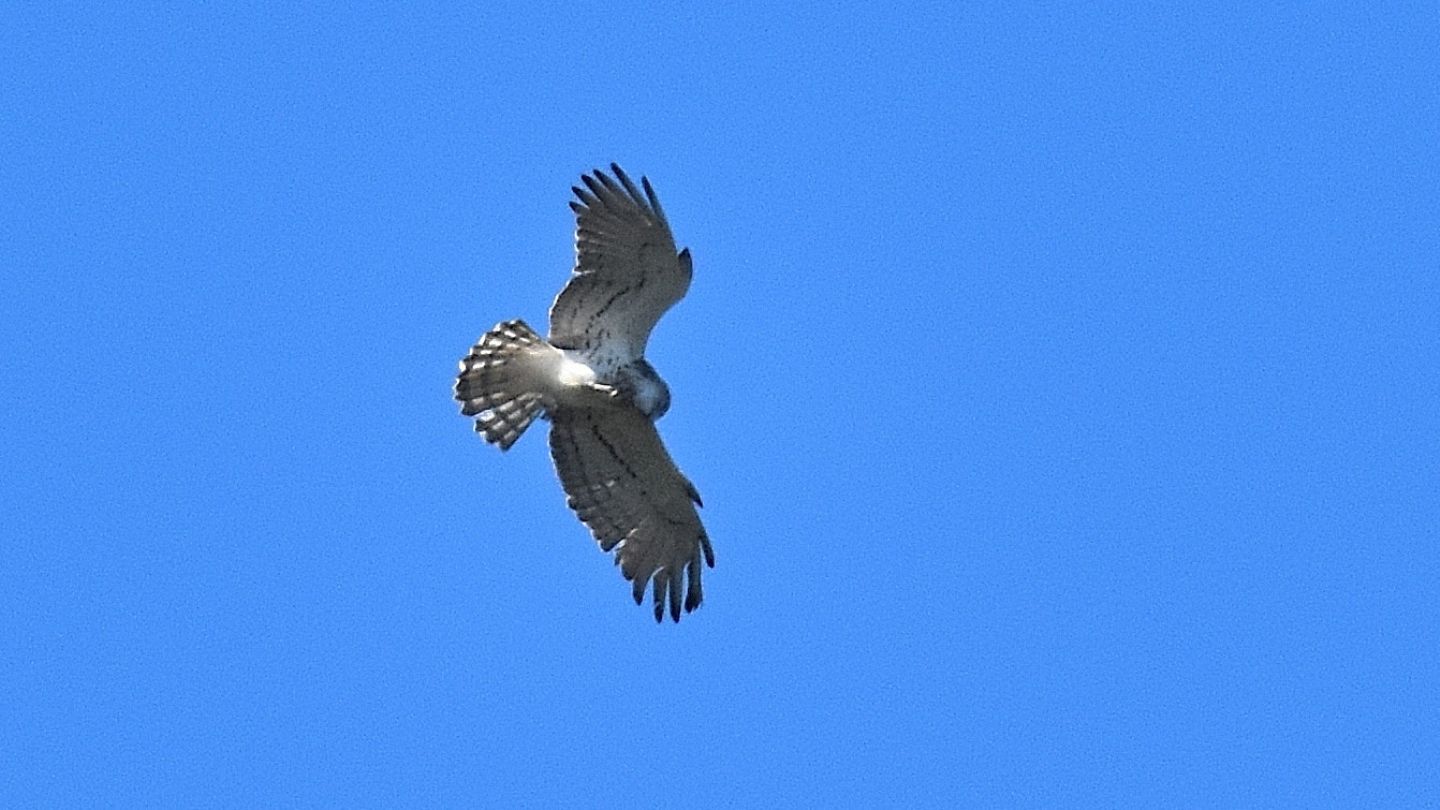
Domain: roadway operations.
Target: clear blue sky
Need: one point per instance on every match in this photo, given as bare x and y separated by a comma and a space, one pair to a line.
1061, 382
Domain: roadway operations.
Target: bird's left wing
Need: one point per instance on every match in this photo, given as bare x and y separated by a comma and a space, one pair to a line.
622, 483
627, 272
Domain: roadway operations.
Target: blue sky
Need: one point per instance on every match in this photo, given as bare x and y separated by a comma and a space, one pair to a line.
1061, 382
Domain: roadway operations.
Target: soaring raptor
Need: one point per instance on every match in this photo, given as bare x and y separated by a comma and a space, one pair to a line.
591, 381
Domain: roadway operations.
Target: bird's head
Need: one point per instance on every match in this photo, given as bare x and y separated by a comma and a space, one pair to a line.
649, 393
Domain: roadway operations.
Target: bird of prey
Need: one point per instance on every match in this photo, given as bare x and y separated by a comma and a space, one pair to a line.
591, 381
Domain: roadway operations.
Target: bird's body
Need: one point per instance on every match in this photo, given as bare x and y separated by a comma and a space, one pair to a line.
591, 380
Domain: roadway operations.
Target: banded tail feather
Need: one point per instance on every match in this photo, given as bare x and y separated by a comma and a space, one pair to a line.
496, 384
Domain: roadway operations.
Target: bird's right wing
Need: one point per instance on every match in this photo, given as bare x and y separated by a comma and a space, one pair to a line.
627, 272
622, 483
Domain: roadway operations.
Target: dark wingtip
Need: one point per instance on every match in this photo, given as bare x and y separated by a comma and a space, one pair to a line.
650, 195
693, 592
619, 173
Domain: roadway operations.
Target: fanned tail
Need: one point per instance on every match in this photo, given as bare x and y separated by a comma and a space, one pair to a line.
496, 382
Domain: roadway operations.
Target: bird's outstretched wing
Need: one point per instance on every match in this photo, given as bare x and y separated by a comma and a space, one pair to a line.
626, 270
622, 483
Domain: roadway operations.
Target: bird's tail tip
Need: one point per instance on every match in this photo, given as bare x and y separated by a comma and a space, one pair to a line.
492, 385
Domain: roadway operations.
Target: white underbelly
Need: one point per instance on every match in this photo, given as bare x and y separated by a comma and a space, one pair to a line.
572, 372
